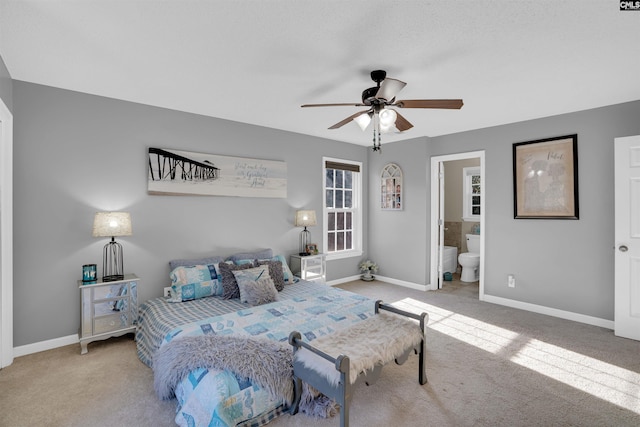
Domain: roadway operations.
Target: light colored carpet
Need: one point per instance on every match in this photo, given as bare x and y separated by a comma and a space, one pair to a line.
487, 365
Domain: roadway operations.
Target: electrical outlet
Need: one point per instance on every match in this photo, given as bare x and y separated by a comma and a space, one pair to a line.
167, 291
511, 281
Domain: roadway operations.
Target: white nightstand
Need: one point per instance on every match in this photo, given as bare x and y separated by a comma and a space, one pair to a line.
311, 267
107, 309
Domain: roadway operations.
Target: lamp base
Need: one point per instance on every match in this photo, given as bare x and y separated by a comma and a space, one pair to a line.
112, 268
305, 239
113, 278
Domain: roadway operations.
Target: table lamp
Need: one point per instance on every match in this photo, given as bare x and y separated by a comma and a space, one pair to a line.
112, 224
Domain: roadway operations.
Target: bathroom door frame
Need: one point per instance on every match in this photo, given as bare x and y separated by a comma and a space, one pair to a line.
437, 221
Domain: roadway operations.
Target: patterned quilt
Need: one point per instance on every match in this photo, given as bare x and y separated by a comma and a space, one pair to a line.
219, 398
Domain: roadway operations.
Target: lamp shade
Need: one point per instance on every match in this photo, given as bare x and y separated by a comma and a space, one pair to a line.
112, 224
305, 218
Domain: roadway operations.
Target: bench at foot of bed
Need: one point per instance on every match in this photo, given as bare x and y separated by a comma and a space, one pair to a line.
362, 349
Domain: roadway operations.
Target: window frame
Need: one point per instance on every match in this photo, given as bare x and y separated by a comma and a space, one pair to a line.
467, 193
356, 210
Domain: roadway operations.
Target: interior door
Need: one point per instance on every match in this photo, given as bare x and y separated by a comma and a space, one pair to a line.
627, 237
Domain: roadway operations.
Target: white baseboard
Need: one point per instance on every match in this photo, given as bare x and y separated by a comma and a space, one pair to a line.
37, 347
343, 280
554, 312
382, 279
411, 285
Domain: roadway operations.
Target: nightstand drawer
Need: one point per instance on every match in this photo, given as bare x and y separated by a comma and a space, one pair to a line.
110, 307
312, 262
110, 323
104, 292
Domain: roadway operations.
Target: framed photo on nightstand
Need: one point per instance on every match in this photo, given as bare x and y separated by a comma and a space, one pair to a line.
312, 249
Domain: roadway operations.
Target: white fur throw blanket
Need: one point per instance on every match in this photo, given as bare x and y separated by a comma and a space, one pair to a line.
266, 362
377, 340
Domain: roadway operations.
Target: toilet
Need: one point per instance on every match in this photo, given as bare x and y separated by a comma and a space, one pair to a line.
470, 261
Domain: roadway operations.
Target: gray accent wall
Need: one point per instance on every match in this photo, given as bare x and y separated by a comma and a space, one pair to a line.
6, 86
398, 239
76, 154
563, 264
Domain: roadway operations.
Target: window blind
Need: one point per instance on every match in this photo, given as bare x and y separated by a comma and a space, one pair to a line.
342, 166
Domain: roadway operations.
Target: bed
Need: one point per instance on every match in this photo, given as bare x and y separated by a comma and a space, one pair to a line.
199, 348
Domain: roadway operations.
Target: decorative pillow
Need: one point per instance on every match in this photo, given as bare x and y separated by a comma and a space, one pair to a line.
261, 254
246, 277
195, 281
243, 261
275, 271
173, 264
288, 276
257, 292
229, 284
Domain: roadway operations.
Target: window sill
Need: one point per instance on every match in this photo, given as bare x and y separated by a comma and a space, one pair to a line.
471, 219
342, 255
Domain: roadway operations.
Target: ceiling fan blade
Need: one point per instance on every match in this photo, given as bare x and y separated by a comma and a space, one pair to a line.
353, 104
402, 124
454, 104
348, 119
389, 88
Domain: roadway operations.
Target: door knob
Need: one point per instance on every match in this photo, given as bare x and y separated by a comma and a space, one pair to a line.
623, 248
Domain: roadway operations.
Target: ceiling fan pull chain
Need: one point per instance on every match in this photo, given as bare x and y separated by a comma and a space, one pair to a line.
376, 133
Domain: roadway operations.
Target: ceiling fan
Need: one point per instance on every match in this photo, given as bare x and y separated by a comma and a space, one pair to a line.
378, 99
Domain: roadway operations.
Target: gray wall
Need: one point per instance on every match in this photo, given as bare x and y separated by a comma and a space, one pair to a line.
398, 240
563, 264
76, 154
6, 86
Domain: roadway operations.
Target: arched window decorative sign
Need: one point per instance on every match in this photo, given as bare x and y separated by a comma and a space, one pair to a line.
391, 188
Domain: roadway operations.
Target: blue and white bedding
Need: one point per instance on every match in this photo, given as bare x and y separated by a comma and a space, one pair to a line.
219, 398
158, 316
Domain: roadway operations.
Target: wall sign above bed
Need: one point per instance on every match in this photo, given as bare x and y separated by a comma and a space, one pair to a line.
175, 172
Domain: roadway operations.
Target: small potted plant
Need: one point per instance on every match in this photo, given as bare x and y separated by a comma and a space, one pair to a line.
367, 267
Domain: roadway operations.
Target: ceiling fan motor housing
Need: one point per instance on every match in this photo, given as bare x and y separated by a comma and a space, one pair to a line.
369, 95
378, 76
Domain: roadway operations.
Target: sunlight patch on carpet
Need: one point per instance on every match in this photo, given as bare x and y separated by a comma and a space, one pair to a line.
469, 330
603, 380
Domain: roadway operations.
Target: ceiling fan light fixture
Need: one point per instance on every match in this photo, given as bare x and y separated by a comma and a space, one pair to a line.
363, 120
387, 118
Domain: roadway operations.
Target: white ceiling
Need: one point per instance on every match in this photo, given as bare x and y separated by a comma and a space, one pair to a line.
257, 61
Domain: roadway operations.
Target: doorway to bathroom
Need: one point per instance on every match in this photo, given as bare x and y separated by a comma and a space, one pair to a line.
456, 211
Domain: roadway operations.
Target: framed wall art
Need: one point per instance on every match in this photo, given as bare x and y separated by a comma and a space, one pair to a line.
545, 178
391, 187
176, 172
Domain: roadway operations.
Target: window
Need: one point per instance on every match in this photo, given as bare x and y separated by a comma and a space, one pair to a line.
472, 194
342, 208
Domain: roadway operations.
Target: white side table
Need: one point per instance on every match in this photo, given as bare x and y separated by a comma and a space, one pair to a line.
107, 309
311, 267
